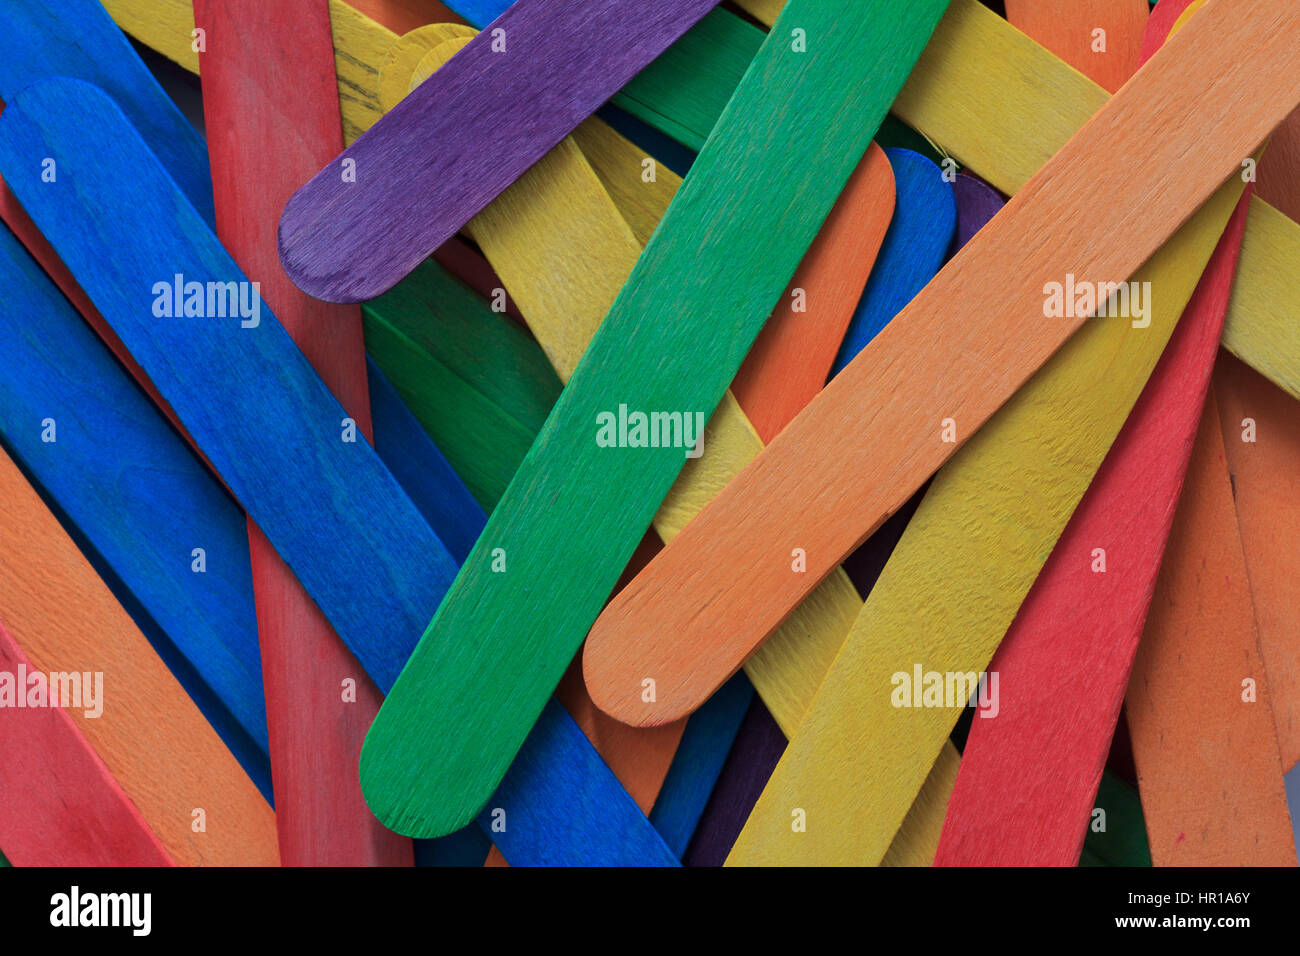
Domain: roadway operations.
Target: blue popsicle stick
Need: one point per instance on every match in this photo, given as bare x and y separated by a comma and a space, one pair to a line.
272, 430
78, 39
925, 217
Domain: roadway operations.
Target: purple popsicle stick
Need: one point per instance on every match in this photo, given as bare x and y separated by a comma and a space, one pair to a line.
977, 203
469, 131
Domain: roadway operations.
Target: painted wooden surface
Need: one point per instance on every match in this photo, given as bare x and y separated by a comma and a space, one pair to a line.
565, 294
758, 747
598, 505
1263, 326
349, 241
1069, 29
315, 733
710, 733
858, 758
1265, 476
379, 546
151, 736
484, 422
59, 805
1003, 105
925, 217
1279, 175
792, 356
973, 367
1025, 792
357, 563
140, 499
1210, 799
683, 91
77, 38
997, 100
977, 203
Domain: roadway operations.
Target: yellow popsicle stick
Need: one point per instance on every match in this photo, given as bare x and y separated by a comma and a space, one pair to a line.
563, 251
960, 572
564, 285
989, 95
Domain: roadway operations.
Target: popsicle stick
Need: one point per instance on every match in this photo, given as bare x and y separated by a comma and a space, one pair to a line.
1002, 105
708, 739
1073, 597
403, 15
315, 734
967, 369
421, 469
974, 526
758, 747
977, 203
999, 102
360, 572
685, 90
1124, 841
792, 356
1029, 776
59, 805
1263, 325
375, 582
1279, 178
1210, 799
1265, 473
143, 502
151, 736
1069, 28
913, 250
429, 782
78, 39
541, 69
479, 384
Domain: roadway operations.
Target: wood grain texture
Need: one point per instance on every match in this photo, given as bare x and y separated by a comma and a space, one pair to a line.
315, 736
151, 736
77, 38
478, 383
59, 805
759, 745
792, 356
1279, 176
1263, 326
925, 217
465, 135
1068, 28
374, 568
1213, 799
683, 91
1028, 777
1002, 105
977, 203
1038, 767
429, 782
403, 15
139, 498
998, 101
964, 565
358, 563
973, 366
703, 752
537, 234
1266, 492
